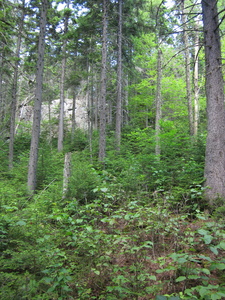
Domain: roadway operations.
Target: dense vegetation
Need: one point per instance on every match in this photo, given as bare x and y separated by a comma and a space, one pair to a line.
133, 222
135, 229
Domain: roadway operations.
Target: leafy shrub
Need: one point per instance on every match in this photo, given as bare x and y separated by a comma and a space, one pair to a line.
84, 179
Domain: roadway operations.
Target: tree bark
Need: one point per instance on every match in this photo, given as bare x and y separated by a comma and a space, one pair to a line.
73, 116
215, 144
66, 173
62, 86
14, 91
196, 87
119, 79
158, 103
187, 69
33, 159
102, 104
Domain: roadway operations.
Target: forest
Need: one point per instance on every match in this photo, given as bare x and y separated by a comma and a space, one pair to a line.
112, 149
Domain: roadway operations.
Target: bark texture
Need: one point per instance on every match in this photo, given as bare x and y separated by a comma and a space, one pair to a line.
14, 91
33, 159
187, 68
215, 144
119, 79
196, 87
102, 104
158, 103
62, 86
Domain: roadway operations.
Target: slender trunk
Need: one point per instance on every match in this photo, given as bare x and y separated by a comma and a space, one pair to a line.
1, 81
126, 102
119, 80
158, 103
90, 106
73, 117
102, 124
66, 173
14, 93
215, 143
196, 88
62, 87
33, 160
187, 69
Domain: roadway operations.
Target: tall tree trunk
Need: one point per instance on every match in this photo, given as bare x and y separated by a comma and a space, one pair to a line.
62, 86
1, 81
73, 116
126, 103
33, 160
158, 103
187, 68
66, 174
102, 104
196, 87
215, 144
14, 91
119, 79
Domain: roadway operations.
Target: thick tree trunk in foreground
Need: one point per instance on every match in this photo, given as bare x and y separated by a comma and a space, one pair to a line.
102, 104
33, 160
215, 144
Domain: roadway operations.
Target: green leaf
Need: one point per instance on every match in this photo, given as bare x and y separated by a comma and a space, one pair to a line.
21, 223
203, 291
158, 297
206, 271
222, 245
180, 278
219, 266
214, 250
202, 231
208, 239
193, 276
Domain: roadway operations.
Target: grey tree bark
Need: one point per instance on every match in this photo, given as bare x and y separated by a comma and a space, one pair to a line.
14, 90
62, 86
33, 159
187, 68
102, 100
66, 173
215, 144
196, 87
158, 103
119, 78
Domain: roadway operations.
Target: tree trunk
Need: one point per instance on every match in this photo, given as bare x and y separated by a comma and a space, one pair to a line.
196, 88
66, 173
33, 160
62, 86
14, 92
119, 79
187, 69
102, 104
73, 116
215, 144
158, 103
1, 81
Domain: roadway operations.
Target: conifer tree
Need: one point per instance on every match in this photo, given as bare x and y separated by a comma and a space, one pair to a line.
33, 160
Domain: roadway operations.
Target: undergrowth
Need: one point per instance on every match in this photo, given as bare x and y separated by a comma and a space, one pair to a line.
136, 229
